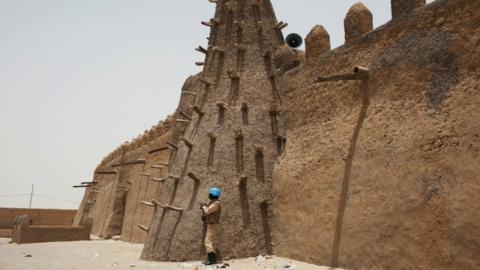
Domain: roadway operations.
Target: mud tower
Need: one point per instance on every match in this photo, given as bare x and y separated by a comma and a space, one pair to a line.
231, 136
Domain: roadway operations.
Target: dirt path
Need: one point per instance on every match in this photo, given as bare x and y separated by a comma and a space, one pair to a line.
102, 255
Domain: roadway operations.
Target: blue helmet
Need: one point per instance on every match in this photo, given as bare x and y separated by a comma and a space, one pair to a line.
215, 191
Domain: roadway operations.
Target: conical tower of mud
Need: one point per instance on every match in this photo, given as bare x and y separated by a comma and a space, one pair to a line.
230, 136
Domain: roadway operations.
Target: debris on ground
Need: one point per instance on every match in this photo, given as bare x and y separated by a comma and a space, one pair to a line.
210, 267
113, 255
289, 266
260, 258
186, 265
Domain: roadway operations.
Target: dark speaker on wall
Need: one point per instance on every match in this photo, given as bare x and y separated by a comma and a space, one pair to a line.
294, 40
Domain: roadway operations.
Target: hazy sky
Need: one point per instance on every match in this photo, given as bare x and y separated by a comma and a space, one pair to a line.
77, 78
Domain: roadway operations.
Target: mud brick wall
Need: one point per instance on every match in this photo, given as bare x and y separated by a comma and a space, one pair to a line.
102, 198
230, 140
384, 173
379, 171
25, 233
145, 182
5, 233
124, 179
40, 217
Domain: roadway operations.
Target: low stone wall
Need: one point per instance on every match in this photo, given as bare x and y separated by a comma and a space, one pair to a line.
25, 233
5, 233
40, 217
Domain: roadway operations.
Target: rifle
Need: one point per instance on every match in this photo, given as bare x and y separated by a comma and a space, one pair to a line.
204, 216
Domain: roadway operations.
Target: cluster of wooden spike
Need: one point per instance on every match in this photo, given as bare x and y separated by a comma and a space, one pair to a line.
192, 108
357, 22
138, 142
154, 203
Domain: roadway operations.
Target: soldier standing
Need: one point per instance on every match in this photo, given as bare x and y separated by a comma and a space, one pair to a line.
211, 215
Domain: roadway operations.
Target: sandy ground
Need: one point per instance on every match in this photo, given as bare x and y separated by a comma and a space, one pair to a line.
109, 254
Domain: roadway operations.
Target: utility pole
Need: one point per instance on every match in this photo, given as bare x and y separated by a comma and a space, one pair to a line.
31, 197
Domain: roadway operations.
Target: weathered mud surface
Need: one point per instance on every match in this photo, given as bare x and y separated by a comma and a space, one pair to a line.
231, 141
384, 174
378, 173
122, 181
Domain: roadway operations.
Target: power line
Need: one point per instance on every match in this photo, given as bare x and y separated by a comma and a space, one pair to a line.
53, 198
36, 195
14, 195
32, 194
